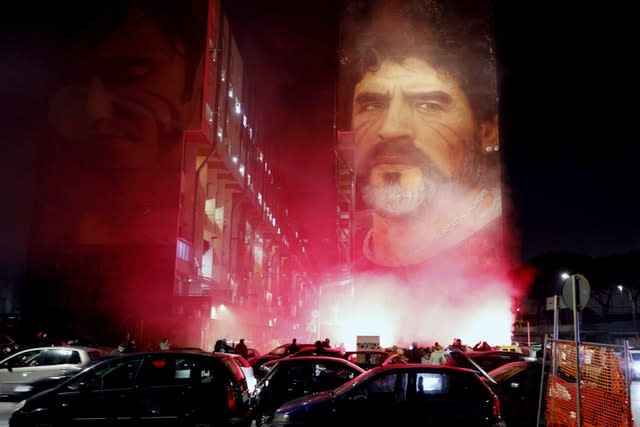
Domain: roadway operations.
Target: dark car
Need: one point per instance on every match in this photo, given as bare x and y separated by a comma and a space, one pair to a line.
489, 360
367, 359
155, 389
277, 353
402, 394
293, 377
482, 361
315, 351
517, 385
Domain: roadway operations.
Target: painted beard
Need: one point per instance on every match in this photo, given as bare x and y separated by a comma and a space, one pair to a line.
400, 181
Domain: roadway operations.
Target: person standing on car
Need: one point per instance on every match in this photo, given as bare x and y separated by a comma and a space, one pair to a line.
241, 349
293, 347
164, 344
437, 355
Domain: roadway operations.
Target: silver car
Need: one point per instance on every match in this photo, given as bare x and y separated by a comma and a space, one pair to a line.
27, 366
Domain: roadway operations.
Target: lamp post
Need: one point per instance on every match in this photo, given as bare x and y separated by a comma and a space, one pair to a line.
633, 307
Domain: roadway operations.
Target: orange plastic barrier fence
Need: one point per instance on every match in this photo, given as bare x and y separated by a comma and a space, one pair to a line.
604, 392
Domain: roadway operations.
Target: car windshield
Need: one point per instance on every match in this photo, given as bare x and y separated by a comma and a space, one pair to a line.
635, 356
354, 382
460, 359
507, 371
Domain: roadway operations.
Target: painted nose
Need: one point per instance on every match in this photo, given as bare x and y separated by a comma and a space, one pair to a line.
397, 122
99, 101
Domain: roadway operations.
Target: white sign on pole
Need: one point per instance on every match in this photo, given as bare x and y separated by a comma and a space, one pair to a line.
368, 342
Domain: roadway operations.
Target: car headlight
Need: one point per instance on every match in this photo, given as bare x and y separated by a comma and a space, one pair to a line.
20, 405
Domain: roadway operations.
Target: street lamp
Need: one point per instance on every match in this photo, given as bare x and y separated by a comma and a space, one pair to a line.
633, 307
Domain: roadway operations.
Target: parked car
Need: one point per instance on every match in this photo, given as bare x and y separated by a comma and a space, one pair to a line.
236, 362
163, 388
366, 359
314, 351
292, 377
401, 394
489, 360
26, 390
27, 366
277, 353
517, 385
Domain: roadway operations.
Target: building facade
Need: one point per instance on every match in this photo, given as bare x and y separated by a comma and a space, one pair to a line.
192, 242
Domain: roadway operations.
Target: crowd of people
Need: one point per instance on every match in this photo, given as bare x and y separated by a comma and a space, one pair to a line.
430, 354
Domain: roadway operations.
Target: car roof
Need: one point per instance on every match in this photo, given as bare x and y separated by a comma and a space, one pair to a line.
66, 347
316, 359
326, 350
420, 366
495, 352
498, 374
56, 347
410, 367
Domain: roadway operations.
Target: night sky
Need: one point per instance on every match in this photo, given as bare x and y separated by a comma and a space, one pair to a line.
569, 137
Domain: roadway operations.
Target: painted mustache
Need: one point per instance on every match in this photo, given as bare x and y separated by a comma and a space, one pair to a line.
395, 152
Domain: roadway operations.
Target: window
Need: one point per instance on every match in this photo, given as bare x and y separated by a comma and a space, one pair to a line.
59, 357
28, 358
160, 371
383, 384
389, 387
430, 383
115, 374
328, 375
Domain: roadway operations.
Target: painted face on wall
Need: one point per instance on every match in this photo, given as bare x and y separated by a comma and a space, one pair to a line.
136, 107
414, 130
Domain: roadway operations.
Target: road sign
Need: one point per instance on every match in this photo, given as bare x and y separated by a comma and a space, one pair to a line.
582, 291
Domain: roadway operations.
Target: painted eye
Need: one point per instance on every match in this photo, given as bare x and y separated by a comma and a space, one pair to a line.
429, 106
373, 106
